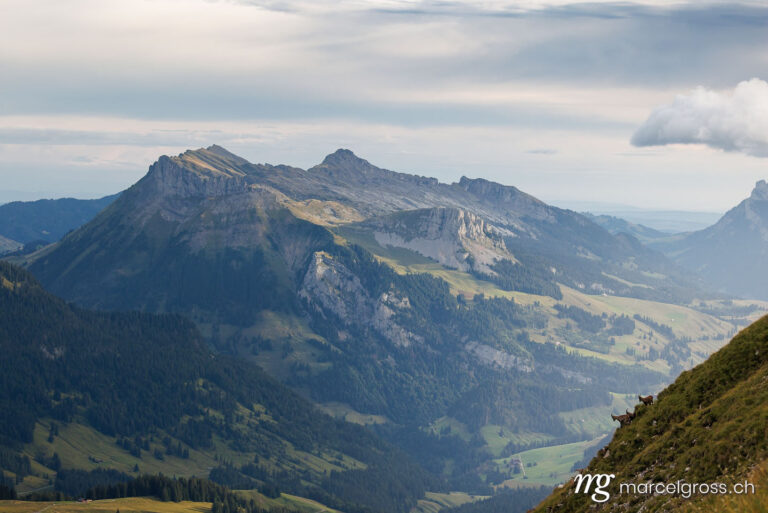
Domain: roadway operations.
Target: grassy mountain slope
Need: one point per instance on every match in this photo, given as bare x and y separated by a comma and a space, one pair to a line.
701, 332
708, 426
7, 245
129, 505
142, 392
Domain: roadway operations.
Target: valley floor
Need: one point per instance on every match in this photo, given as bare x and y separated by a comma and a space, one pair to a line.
151, 505
128, 505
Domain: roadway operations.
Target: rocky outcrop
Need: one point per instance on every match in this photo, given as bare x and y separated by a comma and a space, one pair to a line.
385, 309
508, 197
494, 357
578, 377
237, 221
453, 237
183, 177
329, 287
760, 192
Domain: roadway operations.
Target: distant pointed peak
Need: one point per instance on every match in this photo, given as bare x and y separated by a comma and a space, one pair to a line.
343, 151
760, 192
343, 156
344, 165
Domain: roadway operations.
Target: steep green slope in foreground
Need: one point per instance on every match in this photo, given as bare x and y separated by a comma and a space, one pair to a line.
709, 426
142, 392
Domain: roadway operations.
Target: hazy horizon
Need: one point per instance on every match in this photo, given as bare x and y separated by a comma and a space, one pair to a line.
665, 220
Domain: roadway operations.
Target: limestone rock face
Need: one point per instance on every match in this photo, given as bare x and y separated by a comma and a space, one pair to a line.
508, 197
454, 237
330, 287
184, 177
490, 356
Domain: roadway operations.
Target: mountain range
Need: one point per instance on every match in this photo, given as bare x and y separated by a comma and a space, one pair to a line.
422, 307
45, 221
467, 324
617, 225
730, 253
217, 191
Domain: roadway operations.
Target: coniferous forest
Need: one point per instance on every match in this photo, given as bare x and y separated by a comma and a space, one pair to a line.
132, 376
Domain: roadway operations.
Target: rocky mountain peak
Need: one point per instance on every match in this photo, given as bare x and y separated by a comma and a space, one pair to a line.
343, 158
508, 196
345, 165
490, 190
211, 171
760, 192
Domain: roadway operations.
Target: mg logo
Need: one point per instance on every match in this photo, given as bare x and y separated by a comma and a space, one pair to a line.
601, 483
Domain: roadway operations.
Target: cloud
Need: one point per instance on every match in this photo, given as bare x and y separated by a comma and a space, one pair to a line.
303, 59
735, 121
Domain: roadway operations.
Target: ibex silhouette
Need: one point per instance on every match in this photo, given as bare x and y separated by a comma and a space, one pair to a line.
623, 419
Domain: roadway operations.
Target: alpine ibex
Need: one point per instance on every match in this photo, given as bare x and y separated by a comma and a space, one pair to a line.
648, 400
623, 419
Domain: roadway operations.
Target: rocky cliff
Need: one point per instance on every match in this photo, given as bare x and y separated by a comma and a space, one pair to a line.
453, 237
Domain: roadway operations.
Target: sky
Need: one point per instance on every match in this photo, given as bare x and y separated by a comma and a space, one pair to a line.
656, 105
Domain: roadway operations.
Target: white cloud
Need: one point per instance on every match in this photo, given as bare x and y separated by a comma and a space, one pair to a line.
734, 121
